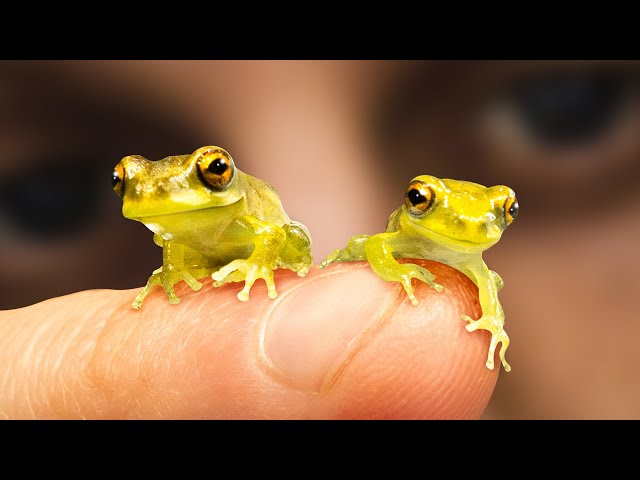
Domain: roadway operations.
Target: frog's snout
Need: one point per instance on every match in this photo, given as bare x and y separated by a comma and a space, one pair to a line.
124, 171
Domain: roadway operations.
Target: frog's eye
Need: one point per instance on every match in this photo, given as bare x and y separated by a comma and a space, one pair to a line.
511, 209
216, 170
419, 198
117, 180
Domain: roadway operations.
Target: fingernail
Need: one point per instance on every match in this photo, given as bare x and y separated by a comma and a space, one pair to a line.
314, 329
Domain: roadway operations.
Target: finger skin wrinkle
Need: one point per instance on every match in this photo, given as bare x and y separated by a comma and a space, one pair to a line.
43, 353
151, 364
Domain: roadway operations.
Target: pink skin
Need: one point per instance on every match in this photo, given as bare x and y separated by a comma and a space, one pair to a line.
366, 354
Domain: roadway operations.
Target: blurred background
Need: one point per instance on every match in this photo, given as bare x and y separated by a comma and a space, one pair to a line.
340, 140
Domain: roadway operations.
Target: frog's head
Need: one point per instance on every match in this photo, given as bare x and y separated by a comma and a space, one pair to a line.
178, 184
464, 216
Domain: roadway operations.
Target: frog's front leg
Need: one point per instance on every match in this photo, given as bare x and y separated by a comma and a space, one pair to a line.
267, 239
379, 252
492, 319
171, 272
353, 252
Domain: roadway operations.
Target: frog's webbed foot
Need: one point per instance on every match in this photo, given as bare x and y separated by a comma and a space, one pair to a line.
167, 279
249, 271
495, 325
408, 271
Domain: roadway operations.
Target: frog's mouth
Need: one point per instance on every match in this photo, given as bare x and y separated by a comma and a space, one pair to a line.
177, 212
465, 246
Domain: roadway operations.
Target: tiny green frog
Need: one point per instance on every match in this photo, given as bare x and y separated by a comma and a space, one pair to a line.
451, 222
210, 218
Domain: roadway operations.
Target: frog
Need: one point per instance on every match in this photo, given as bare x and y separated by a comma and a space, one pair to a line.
451, 222
210, 218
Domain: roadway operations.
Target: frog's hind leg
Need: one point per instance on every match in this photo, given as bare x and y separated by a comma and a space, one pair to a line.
296, 253
355, 251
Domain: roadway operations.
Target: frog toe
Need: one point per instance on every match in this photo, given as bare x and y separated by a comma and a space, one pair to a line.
426, 276
271, 286
332, 257
236, 276
303, 271
190, 280
154, 280
472, 325
504, 340
243, 295
249, 280
406, 283
228, 269
167, 284
505, 365
137, 303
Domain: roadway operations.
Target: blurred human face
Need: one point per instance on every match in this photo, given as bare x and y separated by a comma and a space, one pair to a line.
339, 140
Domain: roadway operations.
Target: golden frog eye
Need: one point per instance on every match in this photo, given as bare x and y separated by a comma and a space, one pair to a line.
117, 180
419, 198
216, 169
511, 209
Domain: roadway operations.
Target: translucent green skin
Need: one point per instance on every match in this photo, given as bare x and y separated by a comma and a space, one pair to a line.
239, 234
463, 220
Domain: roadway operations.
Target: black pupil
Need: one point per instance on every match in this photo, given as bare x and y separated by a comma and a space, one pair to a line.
115, 179
513, 210
218, 166
416, 197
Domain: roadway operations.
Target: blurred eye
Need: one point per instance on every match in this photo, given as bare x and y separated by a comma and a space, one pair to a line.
51, 201
568, 107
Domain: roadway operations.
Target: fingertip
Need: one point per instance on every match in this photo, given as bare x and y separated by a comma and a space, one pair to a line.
423, 364
360, 344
